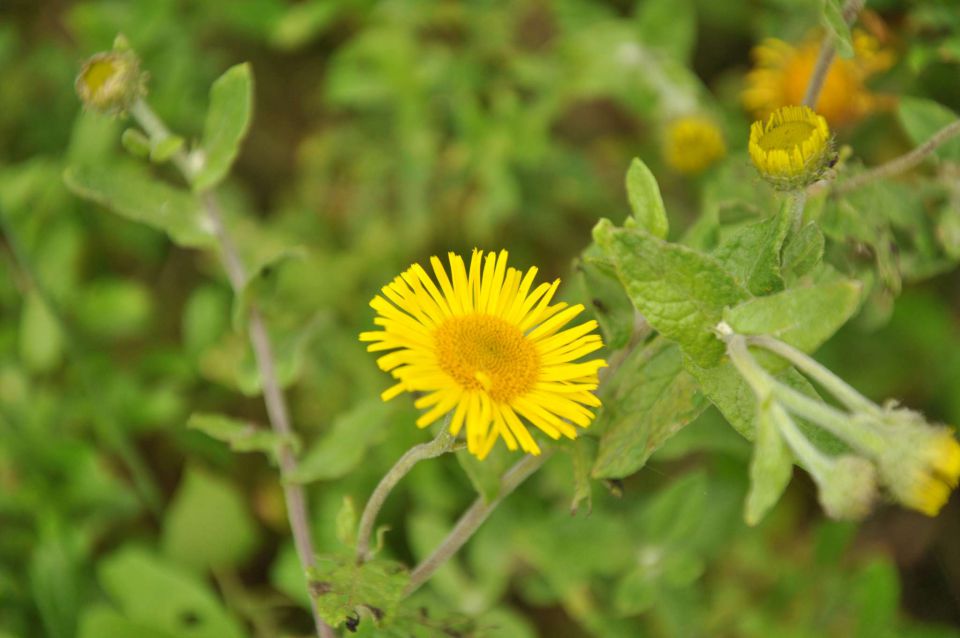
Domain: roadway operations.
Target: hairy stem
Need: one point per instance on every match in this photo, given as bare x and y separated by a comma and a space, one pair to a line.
895, 166
825, 58
839, 388
471, 520
443, 443
273, 397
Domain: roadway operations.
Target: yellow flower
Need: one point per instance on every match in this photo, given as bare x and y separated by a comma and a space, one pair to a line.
925, 470
792, 149
692, 144
487, 348
781, 73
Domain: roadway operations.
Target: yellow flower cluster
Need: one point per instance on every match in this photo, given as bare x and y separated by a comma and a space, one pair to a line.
692, 144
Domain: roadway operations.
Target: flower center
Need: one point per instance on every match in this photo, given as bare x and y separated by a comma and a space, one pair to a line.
488, 353
786, 136
98, 73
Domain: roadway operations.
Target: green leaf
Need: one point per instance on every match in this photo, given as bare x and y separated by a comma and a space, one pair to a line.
921, 118
208, 524
804, 317
41, 341
153, 593
341, 449
771, 466
681, 292
343, 589
669, 26
114, 308
100, 620
166, 148
752, 254
612, 308
231, 106
583, 453
241, 436
136, 143
133, 194
838, 27
55, 585
346, 523
654, 398
645, 199
802, 252
729, 392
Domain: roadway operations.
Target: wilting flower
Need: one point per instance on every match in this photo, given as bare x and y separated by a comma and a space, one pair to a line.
693, 143
792, 149
488, 347
782, 71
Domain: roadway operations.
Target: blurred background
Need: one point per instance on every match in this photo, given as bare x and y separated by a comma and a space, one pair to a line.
385, 132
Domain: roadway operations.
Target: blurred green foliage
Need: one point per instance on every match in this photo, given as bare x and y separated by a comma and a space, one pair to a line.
382, 133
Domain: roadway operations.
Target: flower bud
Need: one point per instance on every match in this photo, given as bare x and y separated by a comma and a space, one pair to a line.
848, 488
921, 464
792, 149
111, 82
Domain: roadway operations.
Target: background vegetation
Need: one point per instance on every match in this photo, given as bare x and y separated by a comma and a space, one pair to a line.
385, 132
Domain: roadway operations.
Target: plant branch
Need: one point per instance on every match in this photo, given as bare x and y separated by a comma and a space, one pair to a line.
471, 520
827, 51
895, 166
443, 443
276, 405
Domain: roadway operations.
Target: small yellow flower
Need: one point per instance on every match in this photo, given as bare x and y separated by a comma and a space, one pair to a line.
781, 73
692, 144
925, 474
111, 82
488, 347
792, 149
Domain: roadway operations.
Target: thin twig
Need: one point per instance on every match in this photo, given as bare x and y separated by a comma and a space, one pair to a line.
276, 405
471, 520
894, 167
442, 444
825, 58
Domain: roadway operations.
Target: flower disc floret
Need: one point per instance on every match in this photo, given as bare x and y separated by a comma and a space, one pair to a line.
792, 148
111, 82
488, 348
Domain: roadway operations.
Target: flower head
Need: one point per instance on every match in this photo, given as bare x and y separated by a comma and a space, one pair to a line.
692, 144
847, 487
792, 149
781, 73
487, 346
921, 465
110, 82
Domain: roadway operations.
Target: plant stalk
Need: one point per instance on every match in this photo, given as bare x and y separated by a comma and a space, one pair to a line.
277, 412
443, 443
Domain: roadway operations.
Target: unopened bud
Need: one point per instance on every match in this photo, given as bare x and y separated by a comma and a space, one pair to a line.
847, 489
111, 82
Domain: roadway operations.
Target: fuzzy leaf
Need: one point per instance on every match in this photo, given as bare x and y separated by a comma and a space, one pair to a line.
231, 106
241, 436
804, 317
345, 590
654, 398
681, 292
645, 199
921, 118
771, 466
752, 254
133, 194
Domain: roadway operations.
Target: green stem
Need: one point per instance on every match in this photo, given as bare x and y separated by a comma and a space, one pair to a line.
471, 520
443, 443
835, 421
853, 400
277, 412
